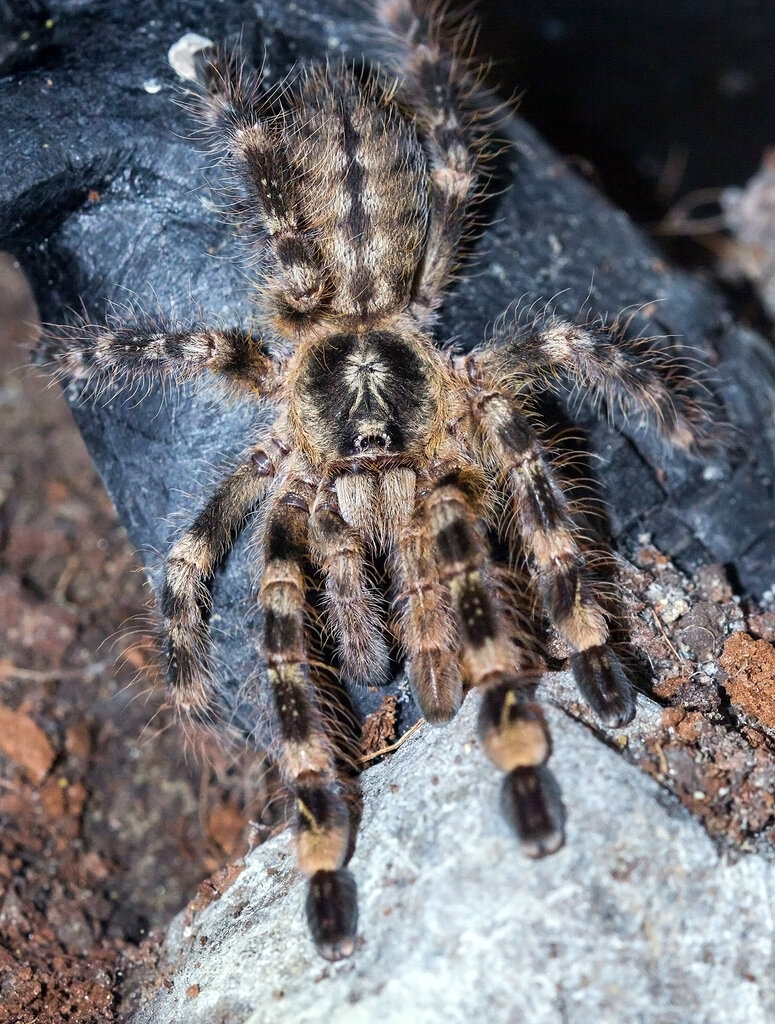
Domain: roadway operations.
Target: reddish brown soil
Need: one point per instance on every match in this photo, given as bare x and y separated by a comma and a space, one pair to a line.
750, 683
715, 745
108, 821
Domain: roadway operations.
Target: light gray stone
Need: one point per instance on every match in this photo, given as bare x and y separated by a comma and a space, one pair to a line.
636, 919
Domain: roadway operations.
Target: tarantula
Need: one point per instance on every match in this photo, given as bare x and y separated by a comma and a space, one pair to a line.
355, 189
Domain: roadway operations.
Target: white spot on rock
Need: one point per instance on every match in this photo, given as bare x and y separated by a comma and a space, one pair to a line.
181, 54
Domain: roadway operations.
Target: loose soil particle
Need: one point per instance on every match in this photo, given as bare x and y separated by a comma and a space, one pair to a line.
750, 667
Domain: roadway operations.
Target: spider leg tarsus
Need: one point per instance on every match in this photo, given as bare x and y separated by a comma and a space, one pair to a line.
332, 913
532, 806
604, 685
436, 685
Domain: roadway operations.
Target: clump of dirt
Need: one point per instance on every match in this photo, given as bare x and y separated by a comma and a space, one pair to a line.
713, 745
750, 683
379, 729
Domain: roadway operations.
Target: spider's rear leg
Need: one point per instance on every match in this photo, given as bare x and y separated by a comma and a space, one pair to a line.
352, 605
436, 84
191, 562
556, 560
512, 728
304, 753
253, 126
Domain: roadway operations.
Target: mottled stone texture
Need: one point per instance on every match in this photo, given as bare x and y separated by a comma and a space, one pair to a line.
636, 921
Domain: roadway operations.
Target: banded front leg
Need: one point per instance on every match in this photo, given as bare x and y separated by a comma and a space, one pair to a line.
512, 728
633, 378
303, 751
185, 598
556, 560
126, 353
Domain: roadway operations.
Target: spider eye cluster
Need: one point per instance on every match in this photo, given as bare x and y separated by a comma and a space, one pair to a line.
367, 392
370, 442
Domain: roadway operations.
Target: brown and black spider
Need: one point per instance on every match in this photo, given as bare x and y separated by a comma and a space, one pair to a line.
355, 189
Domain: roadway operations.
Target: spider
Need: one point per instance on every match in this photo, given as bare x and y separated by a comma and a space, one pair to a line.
355, 188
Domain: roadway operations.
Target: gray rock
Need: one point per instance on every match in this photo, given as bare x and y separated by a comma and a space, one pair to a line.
637, 919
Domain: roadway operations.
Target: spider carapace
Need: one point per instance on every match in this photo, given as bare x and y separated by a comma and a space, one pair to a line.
353, 189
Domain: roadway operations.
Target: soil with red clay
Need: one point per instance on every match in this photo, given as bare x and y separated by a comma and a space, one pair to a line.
108, 820
713, 672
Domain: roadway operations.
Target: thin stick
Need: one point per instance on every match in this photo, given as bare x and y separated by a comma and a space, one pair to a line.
393, 746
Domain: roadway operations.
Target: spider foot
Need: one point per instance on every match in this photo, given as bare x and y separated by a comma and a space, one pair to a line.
604, 685
532, 806
332, 913
436, 685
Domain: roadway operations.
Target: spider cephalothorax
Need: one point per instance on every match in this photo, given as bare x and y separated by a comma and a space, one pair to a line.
354, 190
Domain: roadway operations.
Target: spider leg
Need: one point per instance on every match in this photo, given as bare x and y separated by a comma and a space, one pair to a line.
253, 126
304, 753
192, 561
437, 86
120, 354
513, 731
626, 375
555, 556
426, 625
352, 607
